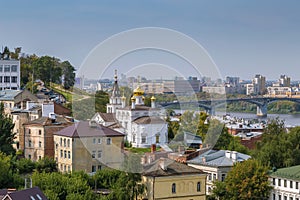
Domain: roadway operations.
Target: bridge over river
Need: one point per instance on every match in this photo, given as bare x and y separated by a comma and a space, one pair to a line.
210, 105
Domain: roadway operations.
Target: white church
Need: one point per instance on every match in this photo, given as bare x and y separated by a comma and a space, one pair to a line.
142, 125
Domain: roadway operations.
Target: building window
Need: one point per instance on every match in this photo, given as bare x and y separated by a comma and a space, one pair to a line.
65, 143
223, 177
99, 154
274, 181
1, 68
93, 154
61, 153
65, 153
40, 157
274, 197
68, 142
99, 140
285, 197
291, 198
65, 168
279, 197
14, 79
215, 177
291, 184
297, 187
173, 188
279, 183
29, 131
143, 139
157, 138
0, 79
93, 168
94, 140
6, 68
99, 167
209, 177
40, 132
40, 144
133, 138
60, 142
29, 143
69, 168
284, 182
14, 68
198, 187
29, 156
69, 155
108, 141
6, 79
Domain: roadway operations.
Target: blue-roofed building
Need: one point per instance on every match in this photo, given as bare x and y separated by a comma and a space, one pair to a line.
15, 99
216, 163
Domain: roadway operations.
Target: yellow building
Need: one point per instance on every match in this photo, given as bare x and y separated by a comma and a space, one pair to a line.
168, 179
89, 147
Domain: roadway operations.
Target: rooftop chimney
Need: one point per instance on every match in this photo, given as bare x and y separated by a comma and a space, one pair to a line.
228, 154
162, 164
153, 148
234, 155
52, 116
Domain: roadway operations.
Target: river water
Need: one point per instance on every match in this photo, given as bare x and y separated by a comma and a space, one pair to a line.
290, 120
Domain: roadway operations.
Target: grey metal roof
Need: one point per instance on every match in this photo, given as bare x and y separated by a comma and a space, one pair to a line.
9, 95
218, 158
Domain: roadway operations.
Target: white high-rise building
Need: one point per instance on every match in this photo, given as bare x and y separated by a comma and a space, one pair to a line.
9, 74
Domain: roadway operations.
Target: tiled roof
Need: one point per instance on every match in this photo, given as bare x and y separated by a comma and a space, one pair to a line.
83, 129
27, 194
218, 158
108, 117
288, 172
115, 125
168, 167
149, 120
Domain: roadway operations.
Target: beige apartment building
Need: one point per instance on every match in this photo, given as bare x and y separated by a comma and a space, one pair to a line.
38, 137
88, 146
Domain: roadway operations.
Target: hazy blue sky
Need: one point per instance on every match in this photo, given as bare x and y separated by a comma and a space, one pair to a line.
242, 37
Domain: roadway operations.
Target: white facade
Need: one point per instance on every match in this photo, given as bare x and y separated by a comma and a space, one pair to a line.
285, 189
9, 74
285, 183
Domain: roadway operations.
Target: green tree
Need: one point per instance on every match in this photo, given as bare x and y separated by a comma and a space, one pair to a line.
9, 178
47, 69
6, 134
68, 74
246, 180
46, 165
25, 165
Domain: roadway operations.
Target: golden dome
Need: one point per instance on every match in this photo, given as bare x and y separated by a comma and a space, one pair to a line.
133, 98
123, 98
138, 91
153, 98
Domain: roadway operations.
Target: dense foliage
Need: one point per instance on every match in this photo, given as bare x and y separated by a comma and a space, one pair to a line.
6, 134
279, 148
46, 68
246, 180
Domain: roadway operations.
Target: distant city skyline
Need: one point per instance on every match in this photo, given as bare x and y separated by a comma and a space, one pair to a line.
242, 38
